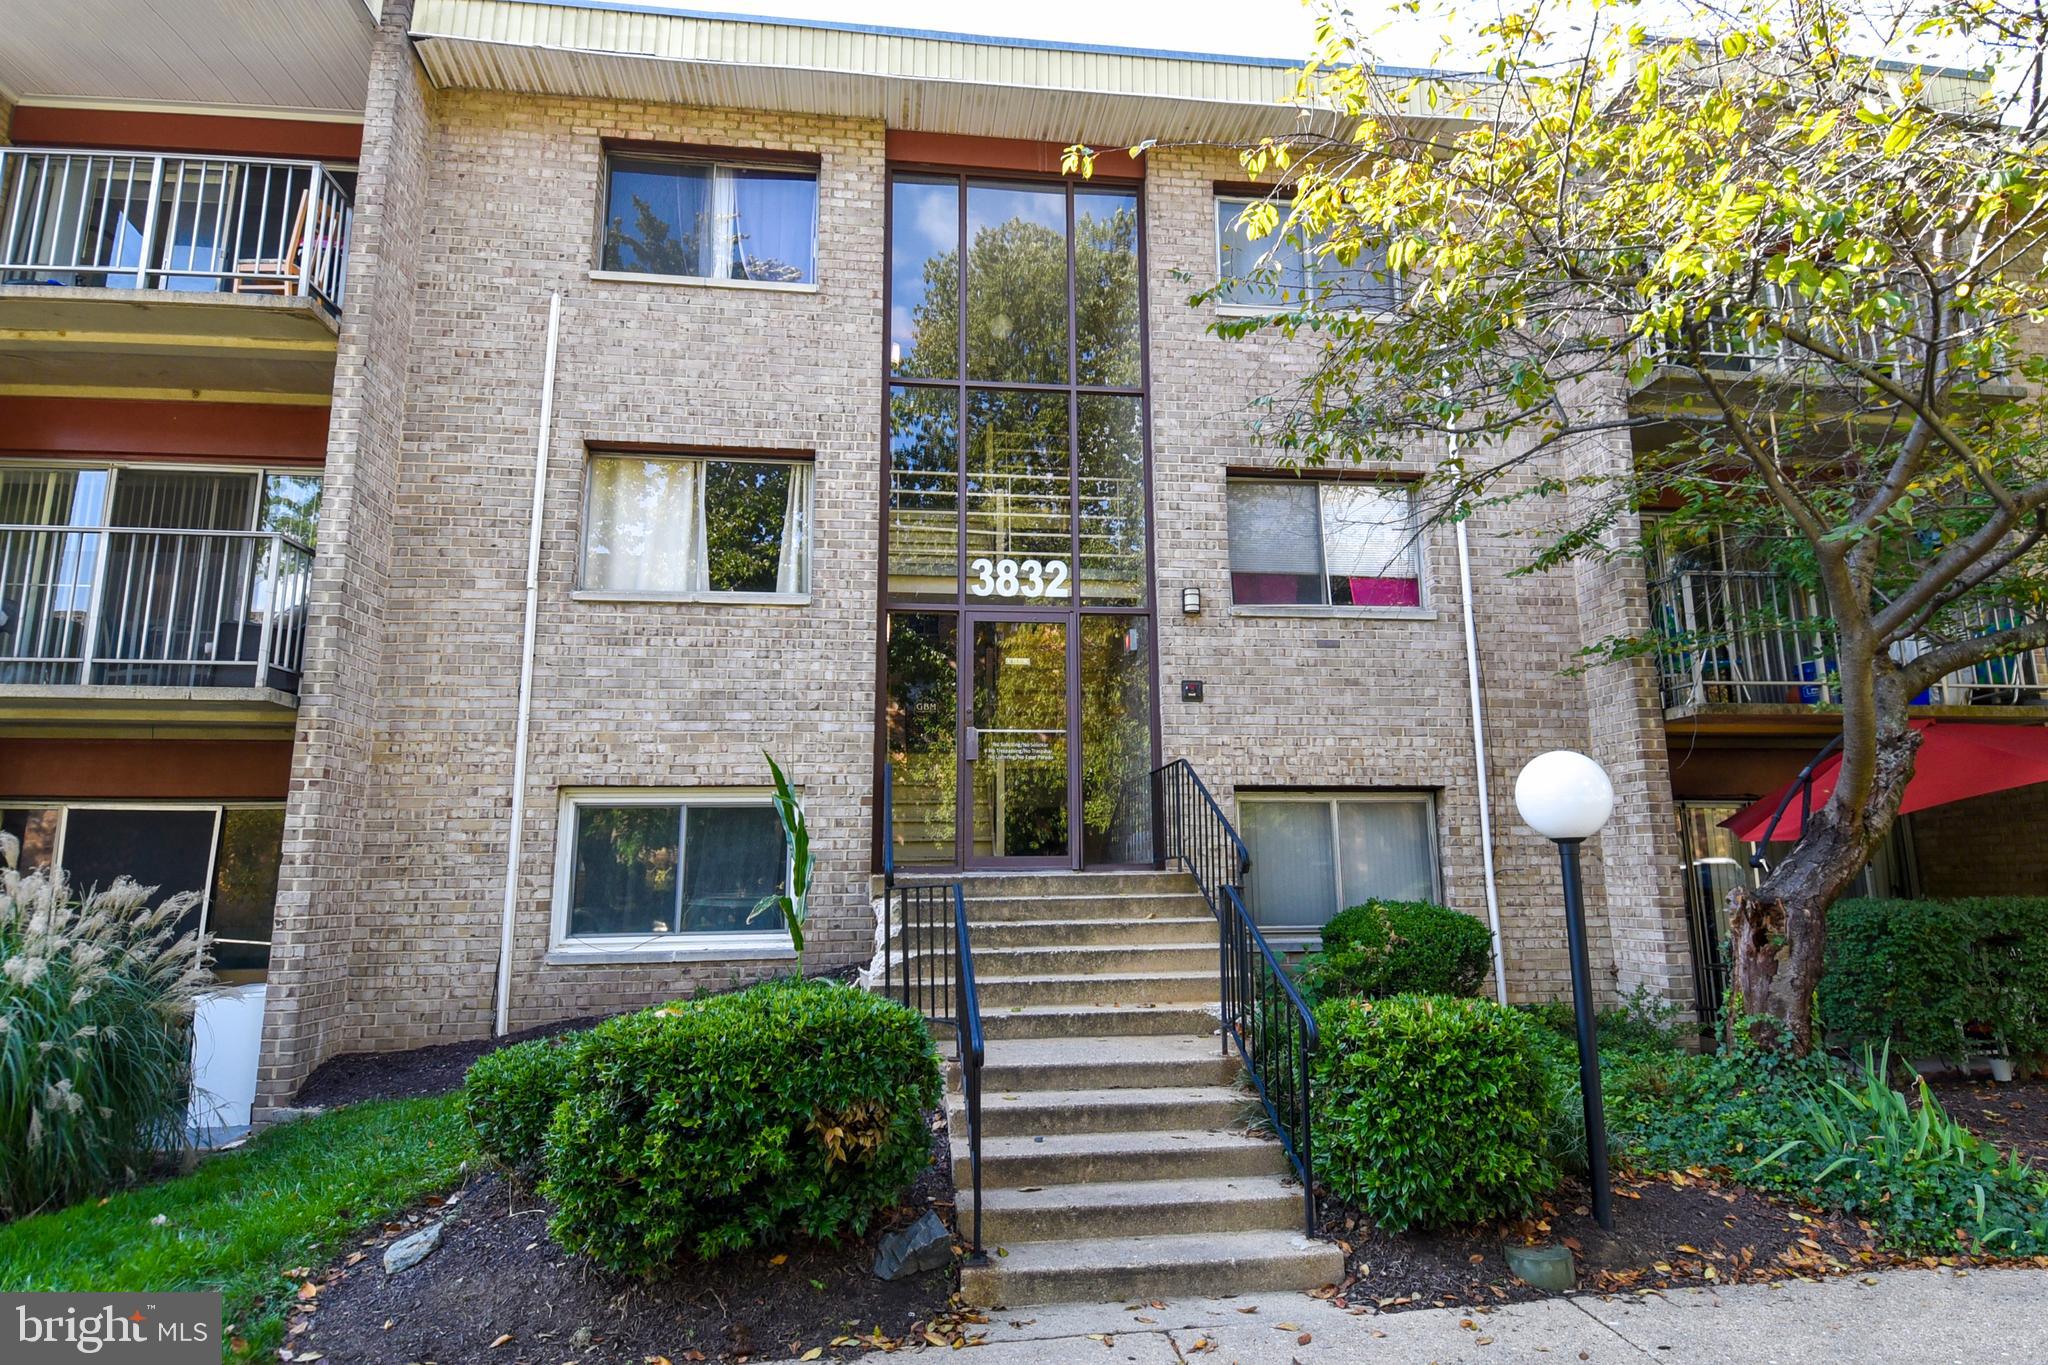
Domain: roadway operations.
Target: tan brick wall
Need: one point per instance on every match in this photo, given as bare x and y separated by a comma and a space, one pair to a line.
390, 919
1344, 700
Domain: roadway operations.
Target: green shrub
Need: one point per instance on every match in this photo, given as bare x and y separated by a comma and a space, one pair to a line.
95, 1035
509, 1097
702, 1128
1431, 1110
1384, 948
1925, 976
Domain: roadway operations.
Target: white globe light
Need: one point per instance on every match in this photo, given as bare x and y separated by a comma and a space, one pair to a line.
1564, 795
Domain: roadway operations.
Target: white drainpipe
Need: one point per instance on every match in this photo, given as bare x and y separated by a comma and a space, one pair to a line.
540, 478
1500, 962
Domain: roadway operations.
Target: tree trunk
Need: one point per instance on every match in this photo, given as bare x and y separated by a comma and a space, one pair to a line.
1777, 931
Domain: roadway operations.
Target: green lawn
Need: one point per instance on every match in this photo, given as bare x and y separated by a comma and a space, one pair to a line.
293, 1196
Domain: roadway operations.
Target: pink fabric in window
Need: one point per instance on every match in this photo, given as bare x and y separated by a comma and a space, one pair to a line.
1386, 592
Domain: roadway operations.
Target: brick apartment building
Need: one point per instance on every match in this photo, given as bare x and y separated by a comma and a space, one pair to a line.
443, 445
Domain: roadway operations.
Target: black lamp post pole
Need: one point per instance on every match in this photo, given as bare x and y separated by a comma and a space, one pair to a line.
1589, 1042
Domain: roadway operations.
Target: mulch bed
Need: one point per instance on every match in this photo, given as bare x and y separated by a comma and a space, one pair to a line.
418, 1074
2013, 1115
499, 1291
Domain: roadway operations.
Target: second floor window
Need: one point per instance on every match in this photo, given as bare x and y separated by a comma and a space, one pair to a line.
711, 220
686, 526
1285, 266
1300, 543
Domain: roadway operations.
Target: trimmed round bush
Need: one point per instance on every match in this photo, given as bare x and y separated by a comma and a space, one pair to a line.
703, 1128
509, 1097
1432, 1110
1385, 948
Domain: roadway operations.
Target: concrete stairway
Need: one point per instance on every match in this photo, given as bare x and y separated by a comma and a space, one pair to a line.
1118, 1157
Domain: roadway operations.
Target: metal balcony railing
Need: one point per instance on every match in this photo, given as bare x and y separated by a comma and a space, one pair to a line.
209, 224
1753, 638
1726, 346
152, 608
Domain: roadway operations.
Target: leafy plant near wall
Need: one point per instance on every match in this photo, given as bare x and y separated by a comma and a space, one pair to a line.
794, 906
96, 1000
1938, 978
1384, 948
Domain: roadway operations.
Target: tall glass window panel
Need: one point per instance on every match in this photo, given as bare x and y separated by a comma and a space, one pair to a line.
1276, 553
773, 230
291, 506
640, 525
923, 730
658, 218
732, 857
167, 850
1385, 851
1371, 550
1106, 288
1016, 284
1293, 881
240, 915
1019, 770
1019, 499
1116, 739
754, 534
46, 575
184, 499
1257, 272
924, 495
1112, 508
924, 279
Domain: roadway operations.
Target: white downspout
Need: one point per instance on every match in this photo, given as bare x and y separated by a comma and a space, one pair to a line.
1500, 962
540, 478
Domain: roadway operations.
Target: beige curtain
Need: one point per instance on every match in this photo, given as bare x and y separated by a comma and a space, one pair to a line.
793, 569
644, 526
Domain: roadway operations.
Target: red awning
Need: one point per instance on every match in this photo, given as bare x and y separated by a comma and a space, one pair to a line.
1957, 760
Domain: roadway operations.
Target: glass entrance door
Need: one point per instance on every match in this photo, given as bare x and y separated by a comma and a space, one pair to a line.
1015, 750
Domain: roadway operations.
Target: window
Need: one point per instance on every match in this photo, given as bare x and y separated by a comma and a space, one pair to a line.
1314, 854
229, 854
1286, 266
709, 220
681, 526
1300, 543
661, 871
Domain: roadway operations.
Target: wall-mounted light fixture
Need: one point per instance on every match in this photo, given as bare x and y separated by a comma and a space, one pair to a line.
1191, 601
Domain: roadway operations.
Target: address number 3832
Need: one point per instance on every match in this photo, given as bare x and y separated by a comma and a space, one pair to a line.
1018, 578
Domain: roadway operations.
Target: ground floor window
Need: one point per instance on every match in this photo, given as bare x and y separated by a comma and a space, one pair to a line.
229, 854
1315, 853
662, 869
1716, 863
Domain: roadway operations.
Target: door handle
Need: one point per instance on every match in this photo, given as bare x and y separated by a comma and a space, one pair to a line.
973, 745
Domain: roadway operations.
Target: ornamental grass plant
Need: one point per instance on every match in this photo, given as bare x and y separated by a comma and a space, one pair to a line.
96, 1000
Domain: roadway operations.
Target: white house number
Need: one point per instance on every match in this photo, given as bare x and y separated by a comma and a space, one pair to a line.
1017, 577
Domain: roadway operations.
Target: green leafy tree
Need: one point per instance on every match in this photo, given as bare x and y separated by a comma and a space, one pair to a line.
1837, 258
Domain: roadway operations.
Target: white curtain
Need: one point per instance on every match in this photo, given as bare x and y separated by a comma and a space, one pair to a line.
793, 567
1383, 851
645, 526
1368, 531
1273, 529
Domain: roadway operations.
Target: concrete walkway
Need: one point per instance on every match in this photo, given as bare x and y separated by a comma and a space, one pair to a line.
1928, 1317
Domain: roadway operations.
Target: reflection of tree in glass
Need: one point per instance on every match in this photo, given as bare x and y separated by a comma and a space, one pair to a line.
744, 509
653, 251
292, 506
1017, 304
1025, 697
922, 727
1116, 737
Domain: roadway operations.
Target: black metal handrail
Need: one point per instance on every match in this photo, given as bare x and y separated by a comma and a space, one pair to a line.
937, 976
1262, 1013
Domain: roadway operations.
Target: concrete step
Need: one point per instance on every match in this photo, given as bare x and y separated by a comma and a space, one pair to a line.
980, 885
1139, 1208
1130, 988
1121, 906
995, 963
1081, 1158
1019, 1064
1134, 1268
1127, 1109
1053, 932
1095, 1021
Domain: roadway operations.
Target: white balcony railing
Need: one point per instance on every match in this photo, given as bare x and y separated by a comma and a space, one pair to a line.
1752, 637
152, 608
1726, 346
210, 224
